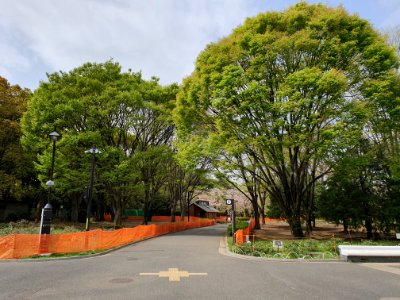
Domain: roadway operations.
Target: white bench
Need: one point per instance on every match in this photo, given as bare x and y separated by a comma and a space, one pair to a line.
369, 253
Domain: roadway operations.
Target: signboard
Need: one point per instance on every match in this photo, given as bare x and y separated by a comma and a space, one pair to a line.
277, 244
229, 201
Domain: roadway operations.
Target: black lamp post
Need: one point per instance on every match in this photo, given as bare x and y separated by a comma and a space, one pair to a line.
231, 202
47, 211
92, 151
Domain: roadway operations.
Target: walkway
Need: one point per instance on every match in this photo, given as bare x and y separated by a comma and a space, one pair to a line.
188, 265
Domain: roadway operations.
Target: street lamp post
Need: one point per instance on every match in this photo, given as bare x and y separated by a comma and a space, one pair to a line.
233, 219
92, 151
47, 211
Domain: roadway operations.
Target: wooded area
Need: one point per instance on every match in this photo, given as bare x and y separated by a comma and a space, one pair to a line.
296, 109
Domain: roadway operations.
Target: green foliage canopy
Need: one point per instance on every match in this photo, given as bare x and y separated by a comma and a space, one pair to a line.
98, 104
16, 174
286, 90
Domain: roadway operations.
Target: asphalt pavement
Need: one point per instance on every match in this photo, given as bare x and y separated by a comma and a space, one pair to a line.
194, 264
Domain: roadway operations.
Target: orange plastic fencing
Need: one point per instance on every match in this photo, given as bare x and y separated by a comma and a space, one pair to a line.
26, 245
155, 218
241, 233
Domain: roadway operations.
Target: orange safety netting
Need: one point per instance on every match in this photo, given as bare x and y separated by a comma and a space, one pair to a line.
160, 218
240, 234
26, 245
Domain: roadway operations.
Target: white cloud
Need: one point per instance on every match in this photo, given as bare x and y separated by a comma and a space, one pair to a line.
14, 59
161, 38
158, 37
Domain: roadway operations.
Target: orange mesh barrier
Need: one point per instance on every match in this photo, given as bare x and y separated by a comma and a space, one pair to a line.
268, 220
240, 234
156, 218
26, 245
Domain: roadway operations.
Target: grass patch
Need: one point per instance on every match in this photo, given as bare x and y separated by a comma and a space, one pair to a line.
26, 227
301, 249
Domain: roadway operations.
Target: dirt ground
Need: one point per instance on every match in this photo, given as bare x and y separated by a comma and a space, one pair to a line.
323, 230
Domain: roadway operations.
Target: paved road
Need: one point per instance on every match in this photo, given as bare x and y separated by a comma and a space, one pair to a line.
192, 267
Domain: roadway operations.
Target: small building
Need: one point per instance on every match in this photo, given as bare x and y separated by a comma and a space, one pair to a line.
202, 209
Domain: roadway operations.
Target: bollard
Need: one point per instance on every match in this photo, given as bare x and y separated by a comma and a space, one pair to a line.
45, 220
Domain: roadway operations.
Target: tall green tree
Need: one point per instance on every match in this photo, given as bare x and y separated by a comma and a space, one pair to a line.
17, 178
182, 184
291, 88
355, 194
96, 104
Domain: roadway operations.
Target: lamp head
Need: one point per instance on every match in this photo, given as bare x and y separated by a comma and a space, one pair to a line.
54, 136
50, 183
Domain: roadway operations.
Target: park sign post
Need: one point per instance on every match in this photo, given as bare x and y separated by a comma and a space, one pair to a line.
231, 202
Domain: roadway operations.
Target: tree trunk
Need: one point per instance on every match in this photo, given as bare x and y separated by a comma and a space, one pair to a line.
75, 208
257, 219
118, 211
262, 209
147, 206
309, 207
173, 217
147, 213
183, 209
295, 226
254, 203
118, 208
100, 208
345, 226
313, 221
310, 223
173, 208
368, 219
368, 227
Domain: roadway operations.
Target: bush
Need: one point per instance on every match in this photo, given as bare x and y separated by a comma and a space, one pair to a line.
301, 249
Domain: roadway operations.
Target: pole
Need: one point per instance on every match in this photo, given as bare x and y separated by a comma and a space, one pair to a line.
92, 151
188, 205
233, 222
47, 211
89, 204
52, 172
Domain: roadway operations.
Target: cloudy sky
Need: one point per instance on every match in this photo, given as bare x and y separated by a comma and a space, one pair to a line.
157, 37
